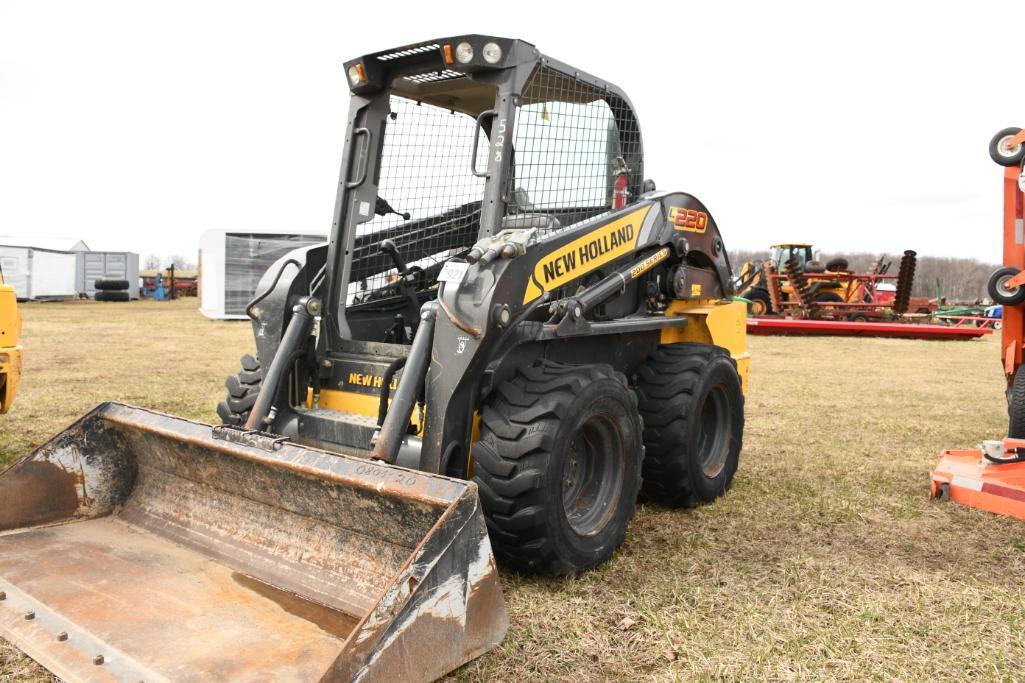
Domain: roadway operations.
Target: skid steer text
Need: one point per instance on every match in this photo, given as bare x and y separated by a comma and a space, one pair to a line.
582, 255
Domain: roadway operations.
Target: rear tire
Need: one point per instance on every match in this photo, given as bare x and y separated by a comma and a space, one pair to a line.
558, 467
837, 264
829, 298
692, 404
1016, 406
243, 389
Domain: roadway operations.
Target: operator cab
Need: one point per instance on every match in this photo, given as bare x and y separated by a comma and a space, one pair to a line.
781, 253
431, 167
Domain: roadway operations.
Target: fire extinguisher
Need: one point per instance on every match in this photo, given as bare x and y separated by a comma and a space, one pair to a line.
620, 193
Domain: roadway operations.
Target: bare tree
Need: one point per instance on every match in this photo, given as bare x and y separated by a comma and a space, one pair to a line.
179, 262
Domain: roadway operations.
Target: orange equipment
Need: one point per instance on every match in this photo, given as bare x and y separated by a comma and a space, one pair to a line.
993, 477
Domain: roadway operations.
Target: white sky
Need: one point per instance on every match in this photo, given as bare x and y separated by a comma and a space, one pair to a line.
139, 125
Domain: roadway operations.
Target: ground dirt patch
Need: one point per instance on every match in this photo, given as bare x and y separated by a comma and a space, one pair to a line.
825, 561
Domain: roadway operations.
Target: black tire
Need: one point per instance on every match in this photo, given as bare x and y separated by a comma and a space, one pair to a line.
549, 511
837, 264
814, 267
760, 302
1016, 406
829, 298
1002, 155
243, 389
858, 318
692, 404
108, 285
1001, 294
105, 295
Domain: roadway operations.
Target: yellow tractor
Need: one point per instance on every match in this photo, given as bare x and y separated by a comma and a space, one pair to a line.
10, 344
824, 285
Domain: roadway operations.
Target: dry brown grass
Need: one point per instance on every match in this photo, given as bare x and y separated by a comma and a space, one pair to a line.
825, 561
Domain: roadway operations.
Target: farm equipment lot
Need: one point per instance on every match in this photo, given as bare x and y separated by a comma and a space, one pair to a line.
822, 562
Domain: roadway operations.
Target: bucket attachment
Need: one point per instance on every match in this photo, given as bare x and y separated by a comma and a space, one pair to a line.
139, 546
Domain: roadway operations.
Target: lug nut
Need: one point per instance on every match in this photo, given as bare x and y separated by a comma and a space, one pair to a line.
3, 596
98, 659
29, 616
62, 636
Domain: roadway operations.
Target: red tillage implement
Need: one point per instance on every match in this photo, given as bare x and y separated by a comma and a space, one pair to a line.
847, 328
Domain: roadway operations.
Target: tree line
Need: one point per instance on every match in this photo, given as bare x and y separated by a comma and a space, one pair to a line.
958, 279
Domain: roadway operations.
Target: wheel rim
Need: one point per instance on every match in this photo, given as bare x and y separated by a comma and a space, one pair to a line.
757, 307
592, 474
713, 434
1004, 148
1002, 288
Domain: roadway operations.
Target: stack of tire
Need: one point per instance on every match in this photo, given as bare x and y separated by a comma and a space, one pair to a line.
111, 289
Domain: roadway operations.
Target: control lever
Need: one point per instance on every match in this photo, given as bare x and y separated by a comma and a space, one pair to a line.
389, 249
406, 279
383, 208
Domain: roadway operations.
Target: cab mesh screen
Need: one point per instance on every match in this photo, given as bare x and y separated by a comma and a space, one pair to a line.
571, 140
425, 172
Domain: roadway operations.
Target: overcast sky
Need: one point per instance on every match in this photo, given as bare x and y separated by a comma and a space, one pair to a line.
139, 125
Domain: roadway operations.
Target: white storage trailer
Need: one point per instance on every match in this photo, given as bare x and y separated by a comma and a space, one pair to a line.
231, 264
117, 265
39, 274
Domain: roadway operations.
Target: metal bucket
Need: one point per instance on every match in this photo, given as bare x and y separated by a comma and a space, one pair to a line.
139, 546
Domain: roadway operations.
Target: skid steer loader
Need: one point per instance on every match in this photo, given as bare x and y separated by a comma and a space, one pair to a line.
509, 335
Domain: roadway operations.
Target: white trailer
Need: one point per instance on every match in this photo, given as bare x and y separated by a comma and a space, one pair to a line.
231, 264
39, 274
118, 265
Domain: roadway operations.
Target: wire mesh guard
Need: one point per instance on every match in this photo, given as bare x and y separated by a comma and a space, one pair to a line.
571, 142
425, 173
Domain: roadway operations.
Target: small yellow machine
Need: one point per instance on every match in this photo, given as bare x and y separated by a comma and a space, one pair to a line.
10, 346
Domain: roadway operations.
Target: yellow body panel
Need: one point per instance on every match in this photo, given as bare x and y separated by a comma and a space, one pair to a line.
713, 322
10, 347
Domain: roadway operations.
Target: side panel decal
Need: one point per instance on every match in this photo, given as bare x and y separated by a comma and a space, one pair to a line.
584, 254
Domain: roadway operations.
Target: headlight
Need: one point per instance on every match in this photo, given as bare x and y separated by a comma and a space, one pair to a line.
492, 53
464, 53
355, 74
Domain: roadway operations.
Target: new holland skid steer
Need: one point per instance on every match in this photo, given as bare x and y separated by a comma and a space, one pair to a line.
509, 336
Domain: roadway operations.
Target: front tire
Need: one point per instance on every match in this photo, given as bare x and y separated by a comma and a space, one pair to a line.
761, 302
692, 404
999, 292
1001, 153
243, 389
558, 467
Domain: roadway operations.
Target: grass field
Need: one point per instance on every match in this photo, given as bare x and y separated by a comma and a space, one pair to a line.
825, 561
